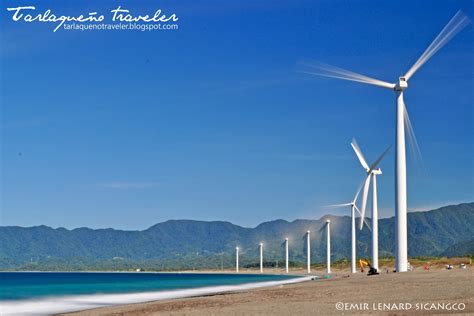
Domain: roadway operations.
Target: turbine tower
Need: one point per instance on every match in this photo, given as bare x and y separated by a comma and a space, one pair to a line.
456, 24
328, 245
308, 251
237, 259
372, 172
286, 255
261, 257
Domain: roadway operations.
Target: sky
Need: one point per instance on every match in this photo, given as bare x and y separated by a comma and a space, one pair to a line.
213, 121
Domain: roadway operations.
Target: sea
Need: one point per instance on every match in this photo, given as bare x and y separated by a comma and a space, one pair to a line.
43, 293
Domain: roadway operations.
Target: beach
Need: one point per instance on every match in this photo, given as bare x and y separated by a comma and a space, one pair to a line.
436, 291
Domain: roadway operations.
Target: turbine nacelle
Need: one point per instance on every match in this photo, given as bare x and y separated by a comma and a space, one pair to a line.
401, 85
377, 171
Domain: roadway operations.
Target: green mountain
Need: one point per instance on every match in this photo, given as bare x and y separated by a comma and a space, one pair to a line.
187, 244
462, 248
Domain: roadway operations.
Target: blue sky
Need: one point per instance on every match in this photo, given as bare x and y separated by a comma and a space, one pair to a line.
125, 129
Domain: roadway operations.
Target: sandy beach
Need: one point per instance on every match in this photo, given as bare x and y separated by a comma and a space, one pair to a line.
436, 291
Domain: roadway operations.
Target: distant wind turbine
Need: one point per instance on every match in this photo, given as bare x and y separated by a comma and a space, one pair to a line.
372, 172
354, 208
261, 257
286, 255
237, 259
308, 251
454, 26
328, 246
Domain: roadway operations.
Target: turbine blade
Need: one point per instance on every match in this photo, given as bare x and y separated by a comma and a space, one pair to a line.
365, 221
365, 194
376, 163
325, 70
358, 192
454, 26
337, 205
415, 151
357, 209
359, 154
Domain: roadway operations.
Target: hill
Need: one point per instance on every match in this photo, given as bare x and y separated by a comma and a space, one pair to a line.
197, 244
460, 249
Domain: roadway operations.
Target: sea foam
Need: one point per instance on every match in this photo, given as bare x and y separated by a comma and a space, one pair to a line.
63, 304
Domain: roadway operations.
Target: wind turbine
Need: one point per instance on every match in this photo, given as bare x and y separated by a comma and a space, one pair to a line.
372, 172
454, 26
328, 245
354, 208
286, 255
308, 251
237, 259
261, 257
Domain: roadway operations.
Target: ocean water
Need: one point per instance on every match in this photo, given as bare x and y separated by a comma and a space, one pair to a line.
16, 286
46, 293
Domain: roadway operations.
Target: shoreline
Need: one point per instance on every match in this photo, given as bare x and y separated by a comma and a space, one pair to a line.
83, 303
225, 271
360, 293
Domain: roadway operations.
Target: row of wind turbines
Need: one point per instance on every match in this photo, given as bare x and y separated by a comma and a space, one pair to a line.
454, 26
308, 251
372, 172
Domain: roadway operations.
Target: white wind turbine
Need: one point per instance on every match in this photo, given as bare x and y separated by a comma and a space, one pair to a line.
354, 208
456, 24
286, 255
308, 251
237, 259
261, 256
372, 172
328, 246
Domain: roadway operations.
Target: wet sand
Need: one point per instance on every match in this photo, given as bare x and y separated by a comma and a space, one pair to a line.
416, 291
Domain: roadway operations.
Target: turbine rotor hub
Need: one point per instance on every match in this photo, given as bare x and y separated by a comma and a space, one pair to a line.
401, 85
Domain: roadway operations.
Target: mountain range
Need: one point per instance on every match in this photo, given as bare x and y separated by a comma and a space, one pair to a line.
185, 244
